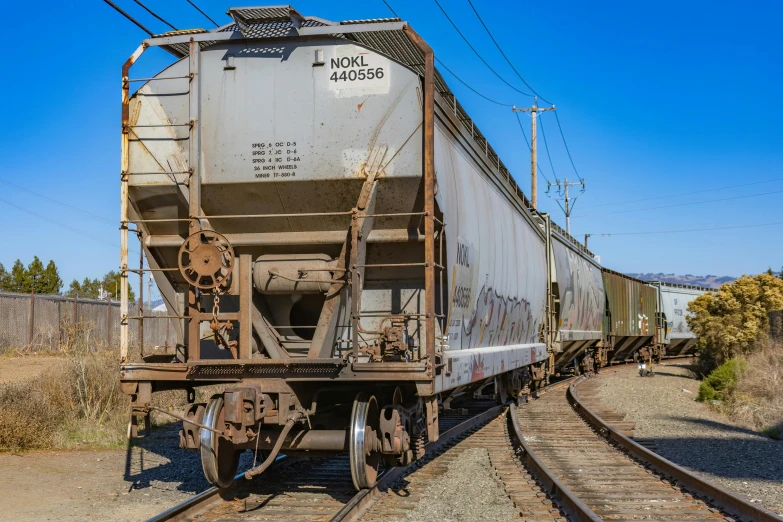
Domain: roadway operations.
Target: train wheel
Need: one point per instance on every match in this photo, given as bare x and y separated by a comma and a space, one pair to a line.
219, 458
364, 455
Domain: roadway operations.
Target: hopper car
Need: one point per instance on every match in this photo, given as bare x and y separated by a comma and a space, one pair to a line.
340, 248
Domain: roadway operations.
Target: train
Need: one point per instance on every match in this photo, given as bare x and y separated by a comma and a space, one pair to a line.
340, 249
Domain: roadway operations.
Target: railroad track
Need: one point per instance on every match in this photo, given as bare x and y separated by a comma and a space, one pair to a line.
596, 472
554, 456
320, 489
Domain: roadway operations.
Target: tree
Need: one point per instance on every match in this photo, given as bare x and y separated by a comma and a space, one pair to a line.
33, 277
17, 276
734, 321
5, 279
111, 283
52, 282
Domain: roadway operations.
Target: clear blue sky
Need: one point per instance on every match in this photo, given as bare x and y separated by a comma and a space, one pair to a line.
656, 99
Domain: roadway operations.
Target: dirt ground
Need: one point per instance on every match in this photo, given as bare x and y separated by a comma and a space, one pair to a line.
112, 485
15, 369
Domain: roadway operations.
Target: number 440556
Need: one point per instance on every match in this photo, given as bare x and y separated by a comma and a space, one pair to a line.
357, 74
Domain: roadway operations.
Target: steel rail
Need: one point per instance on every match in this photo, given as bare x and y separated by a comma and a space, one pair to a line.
707, 491
202, 502
358, 505
354, 509
566, 499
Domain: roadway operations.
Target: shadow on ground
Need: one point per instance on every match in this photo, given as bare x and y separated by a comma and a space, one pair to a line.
742, 454
157, 461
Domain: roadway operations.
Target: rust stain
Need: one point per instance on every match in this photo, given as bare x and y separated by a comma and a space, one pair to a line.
359, 107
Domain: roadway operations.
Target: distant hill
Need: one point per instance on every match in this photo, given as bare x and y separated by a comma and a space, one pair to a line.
708, 281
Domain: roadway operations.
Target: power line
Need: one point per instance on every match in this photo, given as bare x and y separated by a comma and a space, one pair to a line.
684, 204
546, 146
475, 51
508, 61
557, 118
463, 82
391, 9
150, 11
504, 54
59, 224
129, 17
57, 202
203, 13
469, 87
686, 230
684, 193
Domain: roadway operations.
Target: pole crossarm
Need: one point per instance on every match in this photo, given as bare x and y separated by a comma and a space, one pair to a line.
569, 201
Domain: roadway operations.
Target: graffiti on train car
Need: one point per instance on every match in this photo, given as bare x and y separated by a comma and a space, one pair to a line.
498, 321
581, 292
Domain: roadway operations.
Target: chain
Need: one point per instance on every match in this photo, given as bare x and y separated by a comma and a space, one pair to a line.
215, 307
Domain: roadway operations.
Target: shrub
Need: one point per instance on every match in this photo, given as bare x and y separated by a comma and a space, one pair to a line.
733, 322
722, 381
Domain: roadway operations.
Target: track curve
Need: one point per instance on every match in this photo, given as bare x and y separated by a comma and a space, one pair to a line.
597, 473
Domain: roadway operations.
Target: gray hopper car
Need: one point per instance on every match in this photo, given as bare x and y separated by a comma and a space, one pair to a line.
336, 241
339, 247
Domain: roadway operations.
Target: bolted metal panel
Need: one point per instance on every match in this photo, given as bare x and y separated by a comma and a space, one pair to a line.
632, 305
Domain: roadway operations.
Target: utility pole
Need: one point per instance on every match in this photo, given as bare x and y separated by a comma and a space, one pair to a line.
533, 166
564, 185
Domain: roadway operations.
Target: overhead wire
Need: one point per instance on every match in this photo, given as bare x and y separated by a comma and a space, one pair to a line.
607, 234
667, 196
456, 77
129, 17
150, 11
60, 203
471, 88
203, 13
476, 52
59, 224
565, 144
546, 146
684, 204
504, 54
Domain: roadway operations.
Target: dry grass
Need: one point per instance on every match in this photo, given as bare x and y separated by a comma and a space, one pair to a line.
77, 404
758, 397
76, 401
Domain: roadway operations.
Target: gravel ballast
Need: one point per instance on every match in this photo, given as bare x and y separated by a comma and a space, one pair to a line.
695, 436
468, 491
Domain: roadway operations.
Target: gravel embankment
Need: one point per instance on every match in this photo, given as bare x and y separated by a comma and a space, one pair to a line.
693, 435
468, 491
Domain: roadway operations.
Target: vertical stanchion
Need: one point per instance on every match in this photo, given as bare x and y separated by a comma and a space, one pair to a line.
108, 320
124, 170
141, 294
193, 342
31, 325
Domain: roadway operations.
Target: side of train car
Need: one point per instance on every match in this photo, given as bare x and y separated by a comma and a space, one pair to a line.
339, 246
603, 317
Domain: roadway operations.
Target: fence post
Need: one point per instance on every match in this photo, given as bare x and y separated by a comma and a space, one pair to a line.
31, 330
75, 309
108, 320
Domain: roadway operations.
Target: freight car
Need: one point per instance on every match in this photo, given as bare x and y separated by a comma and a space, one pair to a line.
673, 300
339, 247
